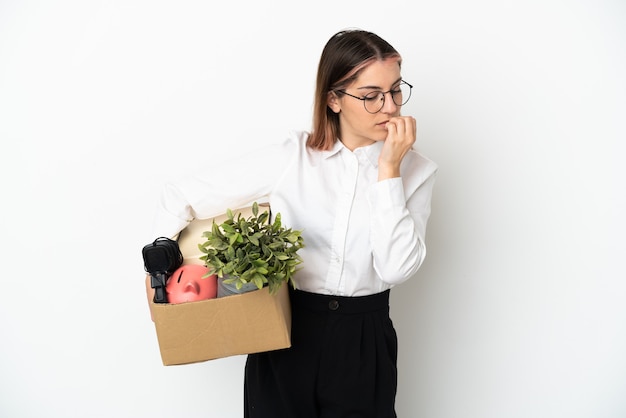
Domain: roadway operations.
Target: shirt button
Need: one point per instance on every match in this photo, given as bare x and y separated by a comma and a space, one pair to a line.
333, 305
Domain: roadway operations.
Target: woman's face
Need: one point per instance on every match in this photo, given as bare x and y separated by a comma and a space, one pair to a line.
357, 126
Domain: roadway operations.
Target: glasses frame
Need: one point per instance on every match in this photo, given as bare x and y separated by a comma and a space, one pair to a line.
384, 93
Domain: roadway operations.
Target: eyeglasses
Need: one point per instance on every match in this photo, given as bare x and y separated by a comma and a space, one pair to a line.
375, 100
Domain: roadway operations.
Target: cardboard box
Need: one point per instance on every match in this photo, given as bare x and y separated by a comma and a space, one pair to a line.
241, 324
192, 332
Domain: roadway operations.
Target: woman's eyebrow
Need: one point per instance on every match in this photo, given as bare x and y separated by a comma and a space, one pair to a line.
378, 87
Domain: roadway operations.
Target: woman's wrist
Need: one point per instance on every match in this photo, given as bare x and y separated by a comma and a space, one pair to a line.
388, 172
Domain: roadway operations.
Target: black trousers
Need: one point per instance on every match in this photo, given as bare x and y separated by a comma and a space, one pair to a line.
342, 362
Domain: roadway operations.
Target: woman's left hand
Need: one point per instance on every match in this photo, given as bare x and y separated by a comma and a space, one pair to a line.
401, 135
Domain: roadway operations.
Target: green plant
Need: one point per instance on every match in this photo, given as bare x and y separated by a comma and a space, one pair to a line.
252, 250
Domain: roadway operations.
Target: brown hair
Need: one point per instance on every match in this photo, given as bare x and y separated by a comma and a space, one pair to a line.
344, 56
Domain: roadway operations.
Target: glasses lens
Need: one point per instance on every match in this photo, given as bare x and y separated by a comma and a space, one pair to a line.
401, 94
374, 101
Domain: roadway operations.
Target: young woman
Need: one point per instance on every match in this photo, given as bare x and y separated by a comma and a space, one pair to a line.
361, 195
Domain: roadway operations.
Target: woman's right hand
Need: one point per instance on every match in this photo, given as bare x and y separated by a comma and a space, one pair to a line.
401, 135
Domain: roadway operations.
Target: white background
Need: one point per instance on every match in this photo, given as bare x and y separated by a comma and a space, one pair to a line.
518, 310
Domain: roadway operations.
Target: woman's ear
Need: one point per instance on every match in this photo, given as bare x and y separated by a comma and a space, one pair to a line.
333, 102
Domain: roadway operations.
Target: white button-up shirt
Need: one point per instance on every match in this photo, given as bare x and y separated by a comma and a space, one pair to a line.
362, 236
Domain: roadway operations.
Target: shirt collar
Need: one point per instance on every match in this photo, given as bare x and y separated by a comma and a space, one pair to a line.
372, 152
337, 146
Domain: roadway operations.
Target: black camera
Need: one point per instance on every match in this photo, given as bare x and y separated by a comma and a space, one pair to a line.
161, 258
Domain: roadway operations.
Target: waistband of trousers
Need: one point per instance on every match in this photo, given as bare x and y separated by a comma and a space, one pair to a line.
339, 304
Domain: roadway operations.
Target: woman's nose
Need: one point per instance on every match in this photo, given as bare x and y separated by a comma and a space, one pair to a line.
389, 106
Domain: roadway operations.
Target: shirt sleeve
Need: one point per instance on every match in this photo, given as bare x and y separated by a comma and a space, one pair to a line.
399, 215
224, 184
